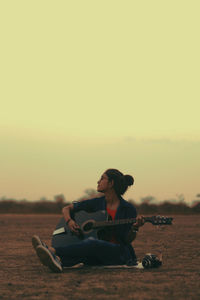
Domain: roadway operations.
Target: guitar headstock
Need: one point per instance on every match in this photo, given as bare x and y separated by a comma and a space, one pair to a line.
158, 220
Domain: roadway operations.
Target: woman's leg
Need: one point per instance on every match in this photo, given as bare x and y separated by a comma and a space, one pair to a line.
93, 252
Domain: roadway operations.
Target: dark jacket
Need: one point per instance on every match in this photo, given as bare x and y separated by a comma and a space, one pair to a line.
124, 211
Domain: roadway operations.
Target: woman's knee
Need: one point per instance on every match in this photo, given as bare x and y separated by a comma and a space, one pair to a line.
91, 242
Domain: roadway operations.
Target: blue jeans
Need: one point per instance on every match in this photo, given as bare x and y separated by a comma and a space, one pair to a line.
96, 252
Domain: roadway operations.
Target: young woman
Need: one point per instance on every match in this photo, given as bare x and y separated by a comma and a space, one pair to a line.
115, 251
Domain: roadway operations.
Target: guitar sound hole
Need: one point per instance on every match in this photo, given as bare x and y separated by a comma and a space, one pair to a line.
87, 226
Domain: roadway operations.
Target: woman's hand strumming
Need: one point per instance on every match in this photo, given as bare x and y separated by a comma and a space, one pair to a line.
73, 226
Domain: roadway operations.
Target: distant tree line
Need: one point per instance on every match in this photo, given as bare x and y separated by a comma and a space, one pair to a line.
147, 205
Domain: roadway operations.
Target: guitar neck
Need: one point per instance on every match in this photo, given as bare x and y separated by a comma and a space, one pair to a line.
117, 222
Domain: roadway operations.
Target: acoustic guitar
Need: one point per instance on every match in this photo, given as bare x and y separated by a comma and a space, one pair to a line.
95, 225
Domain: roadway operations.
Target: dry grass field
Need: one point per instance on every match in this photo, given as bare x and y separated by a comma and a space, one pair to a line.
23, 277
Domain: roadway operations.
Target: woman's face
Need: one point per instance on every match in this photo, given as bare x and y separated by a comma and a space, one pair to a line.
103, 184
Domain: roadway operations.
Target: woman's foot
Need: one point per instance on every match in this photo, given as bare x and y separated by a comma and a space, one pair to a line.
49, 259
36, 241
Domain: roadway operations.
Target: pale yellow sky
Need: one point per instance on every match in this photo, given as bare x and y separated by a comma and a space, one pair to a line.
88, 85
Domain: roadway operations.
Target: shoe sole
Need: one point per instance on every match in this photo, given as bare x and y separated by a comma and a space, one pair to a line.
36, 241
47, 259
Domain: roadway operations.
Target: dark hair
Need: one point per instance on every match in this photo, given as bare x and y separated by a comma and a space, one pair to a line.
121, 181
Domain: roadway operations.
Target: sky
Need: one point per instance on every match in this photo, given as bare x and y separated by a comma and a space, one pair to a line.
92, 85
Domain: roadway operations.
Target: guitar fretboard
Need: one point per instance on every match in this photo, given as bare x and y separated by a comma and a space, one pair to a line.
118, 222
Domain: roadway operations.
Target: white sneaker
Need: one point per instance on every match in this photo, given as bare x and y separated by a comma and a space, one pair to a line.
49, 259
36, 241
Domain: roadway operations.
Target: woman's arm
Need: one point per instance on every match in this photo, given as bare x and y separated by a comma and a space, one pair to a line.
66, 212
134, 229
73, 226
131, 235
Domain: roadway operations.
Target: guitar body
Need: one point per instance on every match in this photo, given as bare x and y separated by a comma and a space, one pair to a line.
98, 225
62, 236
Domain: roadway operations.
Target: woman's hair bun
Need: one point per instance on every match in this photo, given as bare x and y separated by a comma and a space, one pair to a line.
121, 182
129, 180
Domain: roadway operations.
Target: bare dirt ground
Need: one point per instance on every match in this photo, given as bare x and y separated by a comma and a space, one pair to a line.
23, 277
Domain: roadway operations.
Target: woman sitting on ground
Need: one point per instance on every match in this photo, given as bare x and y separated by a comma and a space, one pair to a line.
115, 251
